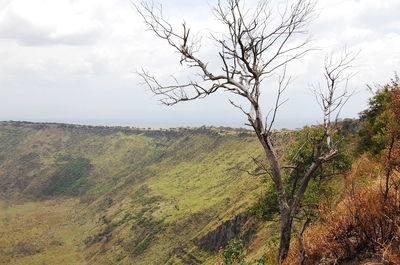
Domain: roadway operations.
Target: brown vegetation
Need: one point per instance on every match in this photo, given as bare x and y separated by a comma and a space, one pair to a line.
365, 224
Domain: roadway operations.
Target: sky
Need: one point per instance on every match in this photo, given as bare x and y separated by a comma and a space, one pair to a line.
75, 61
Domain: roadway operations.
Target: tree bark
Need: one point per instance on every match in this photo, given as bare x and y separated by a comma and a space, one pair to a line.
286, 230
286, 210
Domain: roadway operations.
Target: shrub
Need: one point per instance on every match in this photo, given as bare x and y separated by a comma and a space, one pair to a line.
373, 132
267, 205
234, 252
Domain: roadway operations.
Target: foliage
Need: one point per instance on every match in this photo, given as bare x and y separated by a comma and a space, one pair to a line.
267, 206
234, 252
300, 156
392, 152
373, 133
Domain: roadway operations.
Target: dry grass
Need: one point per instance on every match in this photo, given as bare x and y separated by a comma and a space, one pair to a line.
363, 225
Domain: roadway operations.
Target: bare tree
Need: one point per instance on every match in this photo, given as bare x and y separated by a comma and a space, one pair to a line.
256, 43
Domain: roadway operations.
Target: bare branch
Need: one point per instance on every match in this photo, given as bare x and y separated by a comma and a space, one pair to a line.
337, 75
282, 86
251, 173
256, 44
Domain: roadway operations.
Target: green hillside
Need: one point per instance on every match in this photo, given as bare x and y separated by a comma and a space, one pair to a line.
113, 195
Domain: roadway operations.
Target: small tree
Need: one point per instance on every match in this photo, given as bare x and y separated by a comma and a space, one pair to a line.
257, 43
380, 131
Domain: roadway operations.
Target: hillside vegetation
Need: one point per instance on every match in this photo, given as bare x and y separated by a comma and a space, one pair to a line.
103, 195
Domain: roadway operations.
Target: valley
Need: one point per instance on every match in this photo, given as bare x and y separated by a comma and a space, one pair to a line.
92, 195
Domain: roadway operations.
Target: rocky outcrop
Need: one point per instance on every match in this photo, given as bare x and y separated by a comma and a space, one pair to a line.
240, 227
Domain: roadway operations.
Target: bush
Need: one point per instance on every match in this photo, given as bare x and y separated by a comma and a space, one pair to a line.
267, 205
374, 120
234, 252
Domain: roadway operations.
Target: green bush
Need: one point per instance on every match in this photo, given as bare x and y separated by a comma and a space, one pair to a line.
234, 252
373, 132
267, 205
301, 156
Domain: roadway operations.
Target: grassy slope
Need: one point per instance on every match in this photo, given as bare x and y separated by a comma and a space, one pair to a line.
40, 233
146, 199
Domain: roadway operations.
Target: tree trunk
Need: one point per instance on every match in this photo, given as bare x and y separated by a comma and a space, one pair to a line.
284, 208
286, 230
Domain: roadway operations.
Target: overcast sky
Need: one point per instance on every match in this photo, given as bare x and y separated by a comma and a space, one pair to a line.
75, 61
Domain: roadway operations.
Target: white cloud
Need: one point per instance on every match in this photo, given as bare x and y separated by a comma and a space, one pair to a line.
37, 23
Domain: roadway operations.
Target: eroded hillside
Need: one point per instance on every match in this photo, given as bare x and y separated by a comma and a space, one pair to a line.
103, 195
